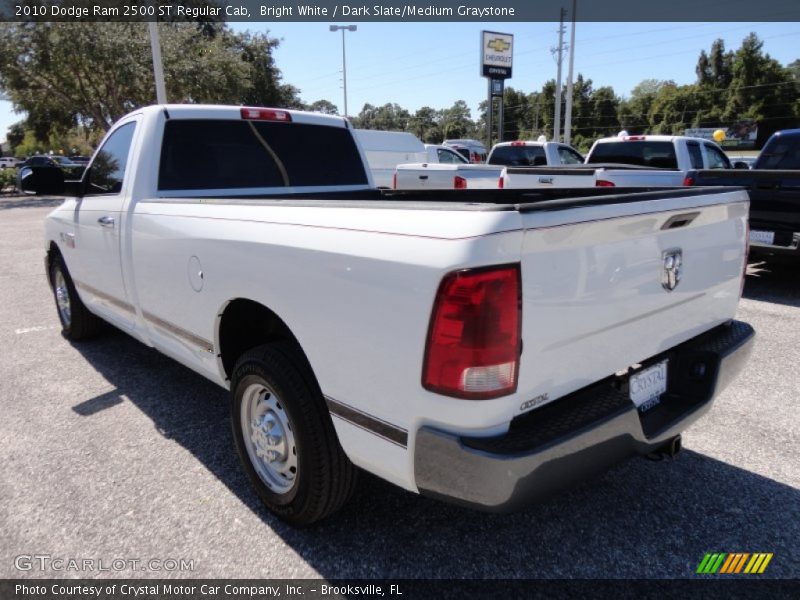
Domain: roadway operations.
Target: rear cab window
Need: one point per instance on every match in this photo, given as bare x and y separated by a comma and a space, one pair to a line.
518, 156
213, 154
657, 155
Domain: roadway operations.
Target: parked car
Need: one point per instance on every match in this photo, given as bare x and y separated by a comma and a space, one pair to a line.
357, 327
473, 150
9, 162
527, 153
666, 158
774, 186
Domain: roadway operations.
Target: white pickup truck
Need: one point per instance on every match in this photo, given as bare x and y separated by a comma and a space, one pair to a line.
487, 347
446, 176
527, 153
663, 160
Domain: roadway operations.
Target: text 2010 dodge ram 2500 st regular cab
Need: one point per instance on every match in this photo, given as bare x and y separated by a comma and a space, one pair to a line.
482, 346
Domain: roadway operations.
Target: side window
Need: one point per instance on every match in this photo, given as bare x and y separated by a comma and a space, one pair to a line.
107, 170
696, 157
716, 159
568, 156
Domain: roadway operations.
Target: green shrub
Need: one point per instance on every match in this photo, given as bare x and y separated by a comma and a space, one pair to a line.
8, 179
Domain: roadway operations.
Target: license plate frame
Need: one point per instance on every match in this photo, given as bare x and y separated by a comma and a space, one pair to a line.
762, 237
646, 387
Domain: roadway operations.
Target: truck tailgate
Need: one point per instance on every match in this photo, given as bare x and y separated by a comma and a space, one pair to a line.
535, 177
595, 282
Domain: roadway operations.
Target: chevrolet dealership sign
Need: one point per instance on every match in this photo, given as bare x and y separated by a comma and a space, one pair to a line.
496, 54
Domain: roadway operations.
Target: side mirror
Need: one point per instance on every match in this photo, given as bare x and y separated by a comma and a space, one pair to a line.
41, 181
739, 164
74, 188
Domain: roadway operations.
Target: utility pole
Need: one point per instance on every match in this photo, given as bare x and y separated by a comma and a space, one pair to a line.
158, 67
559, 60
344, 28
568, 116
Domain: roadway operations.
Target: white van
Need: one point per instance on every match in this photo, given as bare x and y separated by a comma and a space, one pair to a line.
385, 150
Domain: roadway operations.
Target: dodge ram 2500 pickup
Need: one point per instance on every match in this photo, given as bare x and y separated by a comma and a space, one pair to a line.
486, 346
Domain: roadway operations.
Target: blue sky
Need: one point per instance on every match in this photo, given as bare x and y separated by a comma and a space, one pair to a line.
435, 64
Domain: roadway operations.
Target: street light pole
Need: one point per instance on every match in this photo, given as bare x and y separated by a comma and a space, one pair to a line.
568, 117
344, 28
158, 68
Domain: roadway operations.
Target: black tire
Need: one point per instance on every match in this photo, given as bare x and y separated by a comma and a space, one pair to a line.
324, 478
79, 323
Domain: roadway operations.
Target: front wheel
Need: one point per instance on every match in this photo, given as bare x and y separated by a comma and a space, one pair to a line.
77, 323
285, 438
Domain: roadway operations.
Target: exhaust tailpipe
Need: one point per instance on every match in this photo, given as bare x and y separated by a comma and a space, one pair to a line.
671, 449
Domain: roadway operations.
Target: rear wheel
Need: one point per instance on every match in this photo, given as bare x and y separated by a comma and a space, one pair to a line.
285, 438
77, 323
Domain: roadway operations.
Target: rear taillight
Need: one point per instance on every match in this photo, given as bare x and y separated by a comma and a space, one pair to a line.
518, 143
474, 343
394, 180
501, 183
688, 181
604, 183
459, 183
266, 114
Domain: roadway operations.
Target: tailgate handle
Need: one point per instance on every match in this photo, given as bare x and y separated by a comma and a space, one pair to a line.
423, 176
677, 221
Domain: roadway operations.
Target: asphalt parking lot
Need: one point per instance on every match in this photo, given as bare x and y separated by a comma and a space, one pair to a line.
111, 450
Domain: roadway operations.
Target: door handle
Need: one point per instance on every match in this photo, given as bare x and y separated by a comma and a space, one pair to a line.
106, 221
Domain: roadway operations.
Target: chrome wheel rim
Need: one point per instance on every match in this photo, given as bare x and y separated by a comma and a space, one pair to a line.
62, 298
268, 437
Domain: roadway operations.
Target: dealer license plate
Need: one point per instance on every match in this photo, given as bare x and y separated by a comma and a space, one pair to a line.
647, 386
762, 237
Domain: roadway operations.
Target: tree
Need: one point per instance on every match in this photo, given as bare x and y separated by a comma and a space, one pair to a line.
605, 104
16, 133
69, 74
457, 121
760, 88
389, 117
634, 112
425, 124
323, 106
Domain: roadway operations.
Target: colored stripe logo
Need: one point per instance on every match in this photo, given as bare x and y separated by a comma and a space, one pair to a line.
734, 563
